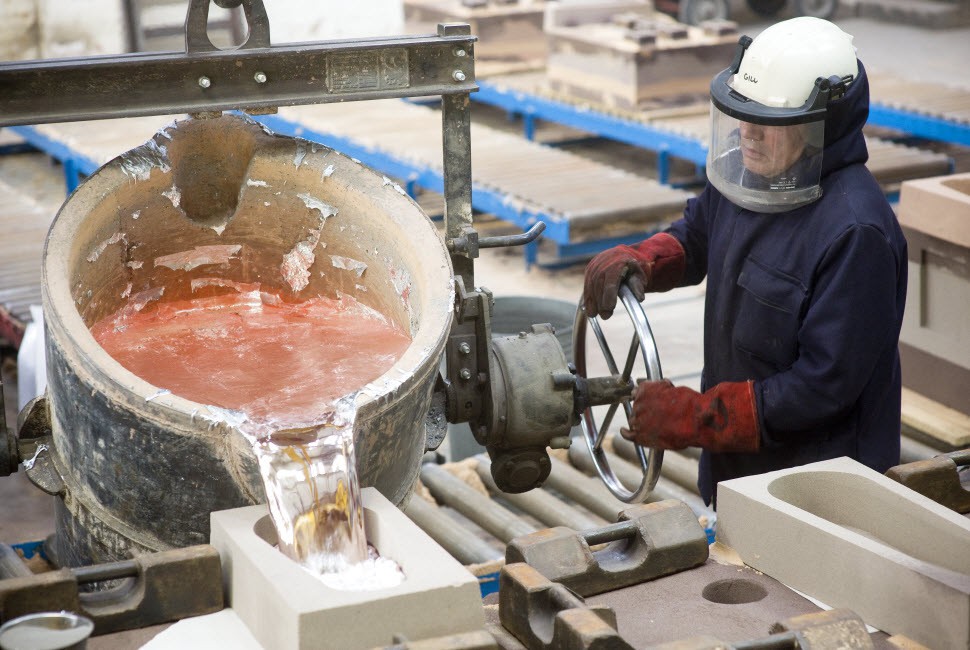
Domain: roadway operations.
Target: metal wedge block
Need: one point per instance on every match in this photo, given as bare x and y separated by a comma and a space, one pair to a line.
648, 541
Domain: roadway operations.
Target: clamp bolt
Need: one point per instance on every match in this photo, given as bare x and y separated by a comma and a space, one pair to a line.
464, 348
260, 77
459, 52
204, 82
458, 75
465, 373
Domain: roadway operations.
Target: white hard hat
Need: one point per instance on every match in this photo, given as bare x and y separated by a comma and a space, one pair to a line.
781, 65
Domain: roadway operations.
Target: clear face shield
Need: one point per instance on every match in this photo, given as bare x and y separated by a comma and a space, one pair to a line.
765, 168
767, 158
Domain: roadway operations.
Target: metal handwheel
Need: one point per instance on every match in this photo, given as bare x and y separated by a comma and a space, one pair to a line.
594, 434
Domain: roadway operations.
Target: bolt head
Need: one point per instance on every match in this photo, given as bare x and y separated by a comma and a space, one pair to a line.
465, 373
460, 52
204, 82
464, 348
260, 77
458, 75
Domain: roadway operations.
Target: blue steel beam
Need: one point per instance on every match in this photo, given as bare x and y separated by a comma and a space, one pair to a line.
924, 126
75, 165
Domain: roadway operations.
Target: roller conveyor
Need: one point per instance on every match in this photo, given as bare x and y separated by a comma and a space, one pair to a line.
679, 125
587, 206
24, 224
934, 111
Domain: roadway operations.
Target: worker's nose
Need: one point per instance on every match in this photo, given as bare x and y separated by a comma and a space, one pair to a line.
751, 131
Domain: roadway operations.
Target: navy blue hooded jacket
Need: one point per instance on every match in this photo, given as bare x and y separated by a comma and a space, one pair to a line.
807, 303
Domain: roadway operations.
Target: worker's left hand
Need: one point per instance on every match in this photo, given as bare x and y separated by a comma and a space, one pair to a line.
722, 419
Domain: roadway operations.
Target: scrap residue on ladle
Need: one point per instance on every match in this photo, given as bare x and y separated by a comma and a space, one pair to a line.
293, 369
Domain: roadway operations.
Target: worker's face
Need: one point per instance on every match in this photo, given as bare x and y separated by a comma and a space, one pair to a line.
770, 150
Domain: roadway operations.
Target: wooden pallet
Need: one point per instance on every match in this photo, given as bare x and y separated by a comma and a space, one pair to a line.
24, 224
939, 426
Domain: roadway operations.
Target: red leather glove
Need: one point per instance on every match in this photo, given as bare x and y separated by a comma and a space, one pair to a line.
656, 264
722, 419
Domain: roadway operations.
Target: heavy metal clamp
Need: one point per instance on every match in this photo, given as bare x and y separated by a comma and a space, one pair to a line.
151, 589
937, 478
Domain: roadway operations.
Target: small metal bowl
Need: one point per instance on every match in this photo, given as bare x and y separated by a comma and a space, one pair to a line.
46, 631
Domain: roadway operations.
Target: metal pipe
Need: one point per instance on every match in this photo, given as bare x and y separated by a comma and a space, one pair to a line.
631, 475
676, 467
911, 450
587, 491
463, 545
11, 564
540, 504
454, 492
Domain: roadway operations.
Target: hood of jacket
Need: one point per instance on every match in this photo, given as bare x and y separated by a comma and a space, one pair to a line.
844, 143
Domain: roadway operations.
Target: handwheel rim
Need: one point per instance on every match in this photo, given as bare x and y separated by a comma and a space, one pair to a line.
643, 341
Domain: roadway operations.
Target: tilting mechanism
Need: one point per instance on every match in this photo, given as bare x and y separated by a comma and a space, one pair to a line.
520, 395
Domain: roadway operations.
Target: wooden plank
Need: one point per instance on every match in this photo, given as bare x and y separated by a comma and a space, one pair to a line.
935, 421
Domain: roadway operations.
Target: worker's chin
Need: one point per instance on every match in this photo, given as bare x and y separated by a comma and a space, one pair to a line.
760, 166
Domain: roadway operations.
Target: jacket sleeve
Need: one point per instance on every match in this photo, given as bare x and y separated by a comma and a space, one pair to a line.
851, 319
692, 233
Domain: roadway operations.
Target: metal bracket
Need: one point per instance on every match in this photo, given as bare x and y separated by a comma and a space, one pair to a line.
648, 541
467, 356
35, 445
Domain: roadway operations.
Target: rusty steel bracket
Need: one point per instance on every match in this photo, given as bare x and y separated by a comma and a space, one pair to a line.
648, 541
937, 478
835, 629
153, 588
543, 614
467, 357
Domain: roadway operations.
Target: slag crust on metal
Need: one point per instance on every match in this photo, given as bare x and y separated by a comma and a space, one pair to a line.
593, 433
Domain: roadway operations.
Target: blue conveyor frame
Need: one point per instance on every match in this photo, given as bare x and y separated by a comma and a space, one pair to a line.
532, 107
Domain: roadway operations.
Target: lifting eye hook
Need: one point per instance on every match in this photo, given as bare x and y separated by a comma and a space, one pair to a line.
197, 24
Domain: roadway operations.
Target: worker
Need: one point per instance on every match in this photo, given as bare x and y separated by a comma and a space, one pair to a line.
805, 266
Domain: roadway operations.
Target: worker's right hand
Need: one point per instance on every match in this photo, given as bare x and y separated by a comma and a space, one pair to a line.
656, 264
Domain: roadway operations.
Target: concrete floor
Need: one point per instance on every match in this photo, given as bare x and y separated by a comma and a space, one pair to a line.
676, 317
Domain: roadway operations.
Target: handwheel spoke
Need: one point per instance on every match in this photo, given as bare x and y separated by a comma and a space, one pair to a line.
605, 426
604, 345
631, 357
